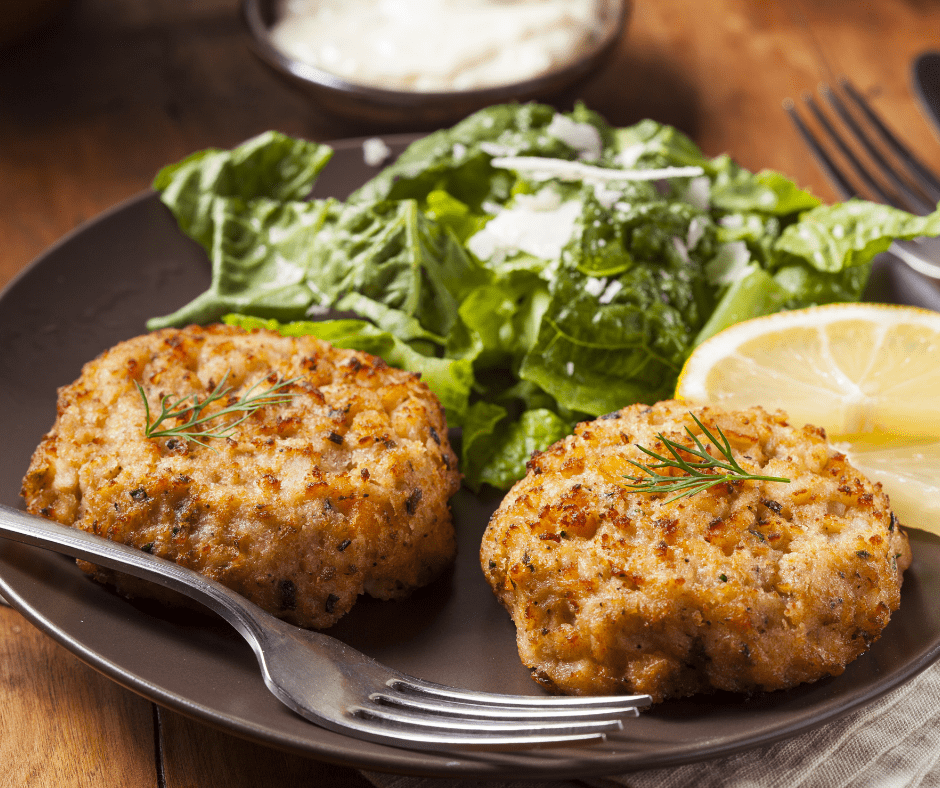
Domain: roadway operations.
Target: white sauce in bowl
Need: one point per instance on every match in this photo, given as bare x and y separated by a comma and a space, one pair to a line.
440, 45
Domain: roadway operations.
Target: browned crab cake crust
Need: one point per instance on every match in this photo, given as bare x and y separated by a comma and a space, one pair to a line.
751, 586
339, 491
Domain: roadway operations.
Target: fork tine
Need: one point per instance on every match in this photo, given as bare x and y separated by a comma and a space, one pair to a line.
930, 182
914, 253
510, 707
836, 177
411, 736
847, 152
406, 685
521, 728
503, 712
911, 199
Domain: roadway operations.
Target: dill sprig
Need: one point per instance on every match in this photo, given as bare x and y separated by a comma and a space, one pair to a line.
699, 475
195, 427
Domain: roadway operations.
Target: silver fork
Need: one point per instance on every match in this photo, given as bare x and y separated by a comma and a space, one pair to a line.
893, 175
339, 688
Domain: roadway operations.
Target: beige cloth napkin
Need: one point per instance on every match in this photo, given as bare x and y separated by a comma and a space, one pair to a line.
893, 742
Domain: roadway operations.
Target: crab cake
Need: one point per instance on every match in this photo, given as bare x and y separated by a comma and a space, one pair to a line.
339, 488
751, 585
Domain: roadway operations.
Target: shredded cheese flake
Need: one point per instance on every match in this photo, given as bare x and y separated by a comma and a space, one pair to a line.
543, 168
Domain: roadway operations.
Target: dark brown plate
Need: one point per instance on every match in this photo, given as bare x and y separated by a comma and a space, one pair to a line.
97, 287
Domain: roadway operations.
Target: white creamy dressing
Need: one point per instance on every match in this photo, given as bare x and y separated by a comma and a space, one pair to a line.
439, 45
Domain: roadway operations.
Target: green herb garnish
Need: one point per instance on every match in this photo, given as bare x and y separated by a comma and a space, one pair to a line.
195, 428
699, 475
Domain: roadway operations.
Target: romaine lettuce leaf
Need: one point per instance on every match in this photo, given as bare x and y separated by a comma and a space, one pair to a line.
652, 144
595, 358
737, 190
754, 294
394, 321
393, 253
456, 216
251, 273
831, 238
271, 165
806, 286
505, 318
758, 231
457, 160
496, 448
534, 430
479, 439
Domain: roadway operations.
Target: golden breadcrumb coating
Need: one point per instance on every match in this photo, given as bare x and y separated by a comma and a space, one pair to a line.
747, 586
339, 491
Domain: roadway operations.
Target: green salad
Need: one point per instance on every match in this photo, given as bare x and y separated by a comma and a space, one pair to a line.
537, 268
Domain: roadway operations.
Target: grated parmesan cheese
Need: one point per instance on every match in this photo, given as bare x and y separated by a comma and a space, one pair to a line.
583, 137
541, 168
375, 151
539, 224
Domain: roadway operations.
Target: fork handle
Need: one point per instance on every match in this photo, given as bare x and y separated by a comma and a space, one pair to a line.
40, 532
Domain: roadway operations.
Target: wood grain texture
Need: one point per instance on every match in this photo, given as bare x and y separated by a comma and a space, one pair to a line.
61, 723
95, 104
197, 756
719, 70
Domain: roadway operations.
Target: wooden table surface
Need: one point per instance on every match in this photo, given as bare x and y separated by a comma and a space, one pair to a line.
93, 105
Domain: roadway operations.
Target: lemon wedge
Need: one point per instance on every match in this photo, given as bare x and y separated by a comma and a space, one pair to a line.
909, 471
868, 373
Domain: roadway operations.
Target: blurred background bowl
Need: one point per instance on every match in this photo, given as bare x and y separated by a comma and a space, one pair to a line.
401, 109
